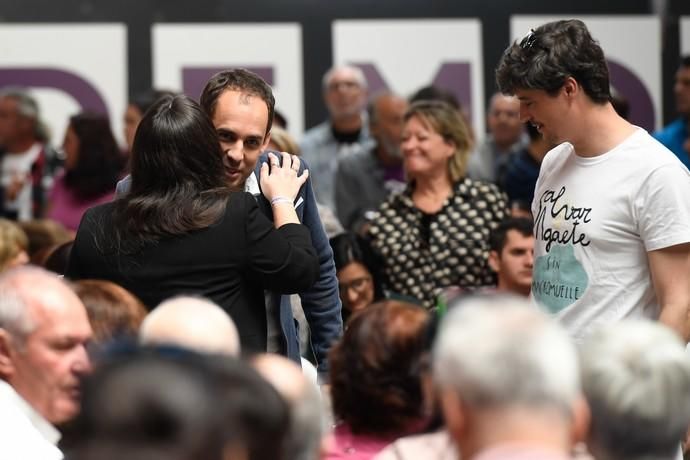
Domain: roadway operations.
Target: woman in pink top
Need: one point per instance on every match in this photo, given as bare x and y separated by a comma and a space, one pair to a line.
93, 164
375, 372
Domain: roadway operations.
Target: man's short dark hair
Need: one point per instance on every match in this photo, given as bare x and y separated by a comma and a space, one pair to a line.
551, 53
685, 61
237, 80
499, 237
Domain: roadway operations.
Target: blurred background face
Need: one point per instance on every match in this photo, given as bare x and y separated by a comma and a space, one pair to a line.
344, 94
356, 286
425, 152
504, 119
388, 126
12, 124
132, 118
71, 148
681, 89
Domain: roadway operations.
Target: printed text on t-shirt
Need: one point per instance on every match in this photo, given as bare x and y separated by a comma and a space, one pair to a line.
571, 217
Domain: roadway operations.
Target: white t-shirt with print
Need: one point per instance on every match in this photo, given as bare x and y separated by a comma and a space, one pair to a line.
595, 220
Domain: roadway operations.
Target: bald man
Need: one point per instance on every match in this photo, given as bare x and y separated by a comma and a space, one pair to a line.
191, 322
44, 330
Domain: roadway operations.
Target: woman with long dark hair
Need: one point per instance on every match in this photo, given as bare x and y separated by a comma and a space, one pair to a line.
182, 230
93, 164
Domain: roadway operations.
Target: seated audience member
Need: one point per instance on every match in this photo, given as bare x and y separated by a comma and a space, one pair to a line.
43, 334
357, 275
511, 255
432, 236
636, 378
44, 235
522, 168
113, 311
182, 230
505, 137
375, 371
364, 179
193, 323
435, 93
305, 439
151, 406
13, 245
516, 395
434, 443
136, 109
93, 164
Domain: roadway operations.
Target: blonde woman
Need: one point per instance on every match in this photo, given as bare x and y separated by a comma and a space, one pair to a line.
435, 234
13, 245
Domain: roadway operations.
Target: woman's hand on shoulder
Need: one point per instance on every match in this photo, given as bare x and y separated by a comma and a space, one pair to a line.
282, 180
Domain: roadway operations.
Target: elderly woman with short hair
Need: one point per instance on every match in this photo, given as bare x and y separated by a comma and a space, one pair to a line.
435, 234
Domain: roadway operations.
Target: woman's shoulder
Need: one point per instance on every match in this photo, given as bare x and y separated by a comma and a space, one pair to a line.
476, 186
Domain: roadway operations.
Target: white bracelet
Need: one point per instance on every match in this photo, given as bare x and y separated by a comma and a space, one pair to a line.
280, 199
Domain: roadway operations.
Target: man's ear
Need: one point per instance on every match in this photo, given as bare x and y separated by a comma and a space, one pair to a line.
581, 420
6, 354
571, 87
494, 261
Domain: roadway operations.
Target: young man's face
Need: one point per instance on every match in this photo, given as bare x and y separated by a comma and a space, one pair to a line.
240, 120
515, 262
545, 112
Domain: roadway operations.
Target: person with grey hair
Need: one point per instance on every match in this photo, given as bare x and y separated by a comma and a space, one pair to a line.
191, 322
24, 155
305, 440
346, 131
44, 330
636, 378
509, 381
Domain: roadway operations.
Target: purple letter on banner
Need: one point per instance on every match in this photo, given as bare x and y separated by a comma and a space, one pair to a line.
452, 76
81, 90
194, 78
628, 85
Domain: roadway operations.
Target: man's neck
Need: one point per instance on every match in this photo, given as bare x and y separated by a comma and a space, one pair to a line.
531, 429
601, 130
386, 159
347, 124
505, 286
538, 149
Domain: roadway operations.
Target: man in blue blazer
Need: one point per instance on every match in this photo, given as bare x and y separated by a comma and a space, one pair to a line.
241, 106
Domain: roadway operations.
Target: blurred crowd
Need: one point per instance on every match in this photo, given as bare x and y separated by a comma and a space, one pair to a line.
218, 289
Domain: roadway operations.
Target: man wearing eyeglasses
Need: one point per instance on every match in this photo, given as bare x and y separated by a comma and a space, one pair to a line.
345, 132
612, 218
